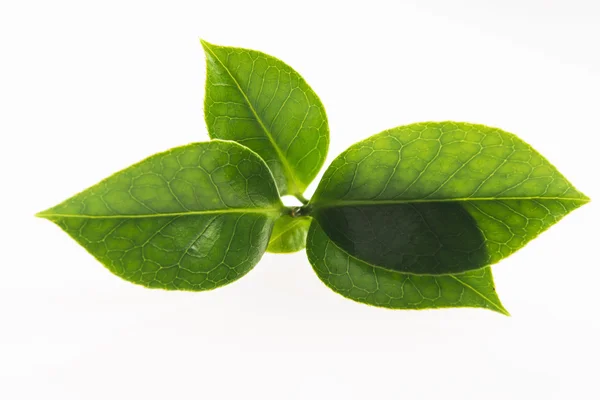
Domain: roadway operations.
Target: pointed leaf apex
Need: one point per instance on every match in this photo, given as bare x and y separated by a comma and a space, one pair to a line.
44, 214
504, 311
205, 44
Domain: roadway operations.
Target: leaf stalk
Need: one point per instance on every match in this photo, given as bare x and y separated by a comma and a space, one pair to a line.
301, 198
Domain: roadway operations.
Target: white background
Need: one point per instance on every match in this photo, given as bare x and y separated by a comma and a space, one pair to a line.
88, 88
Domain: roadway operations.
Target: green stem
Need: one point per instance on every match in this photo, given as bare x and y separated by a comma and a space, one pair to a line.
296, 212
301, 198
289, 211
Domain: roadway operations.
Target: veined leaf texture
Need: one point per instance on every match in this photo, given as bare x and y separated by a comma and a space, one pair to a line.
440, 197
410, 218
262, 103
192, 218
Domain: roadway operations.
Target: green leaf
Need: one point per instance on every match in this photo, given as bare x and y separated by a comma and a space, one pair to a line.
411, 187
365, 283
262, 103
192, 218
289, 234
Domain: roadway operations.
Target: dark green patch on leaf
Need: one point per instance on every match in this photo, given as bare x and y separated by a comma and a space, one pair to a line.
418, 238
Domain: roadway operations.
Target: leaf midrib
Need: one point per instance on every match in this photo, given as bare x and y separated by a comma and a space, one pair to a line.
267, 211
317, 204
284, 162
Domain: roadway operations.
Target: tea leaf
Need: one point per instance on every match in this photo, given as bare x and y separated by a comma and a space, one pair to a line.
192, 218
262, 103
411, 198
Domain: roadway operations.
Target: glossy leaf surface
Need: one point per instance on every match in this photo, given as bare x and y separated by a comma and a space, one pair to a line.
365, 283
289, 234
192, 218
262, 103
509, 190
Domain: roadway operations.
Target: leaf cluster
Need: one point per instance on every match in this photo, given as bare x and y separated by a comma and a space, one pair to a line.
410, 218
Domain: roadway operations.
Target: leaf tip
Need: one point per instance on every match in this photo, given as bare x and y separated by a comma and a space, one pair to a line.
41, 214
503, 311
46, 214
205, 44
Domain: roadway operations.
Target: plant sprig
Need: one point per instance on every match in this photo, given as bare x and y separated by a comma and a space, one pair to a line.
410, 218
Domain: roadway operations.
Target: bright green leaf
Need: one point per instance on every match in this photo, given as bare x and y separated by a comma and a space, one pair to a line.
289, 234
262, 103
192, 218
407, 188
365, 283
